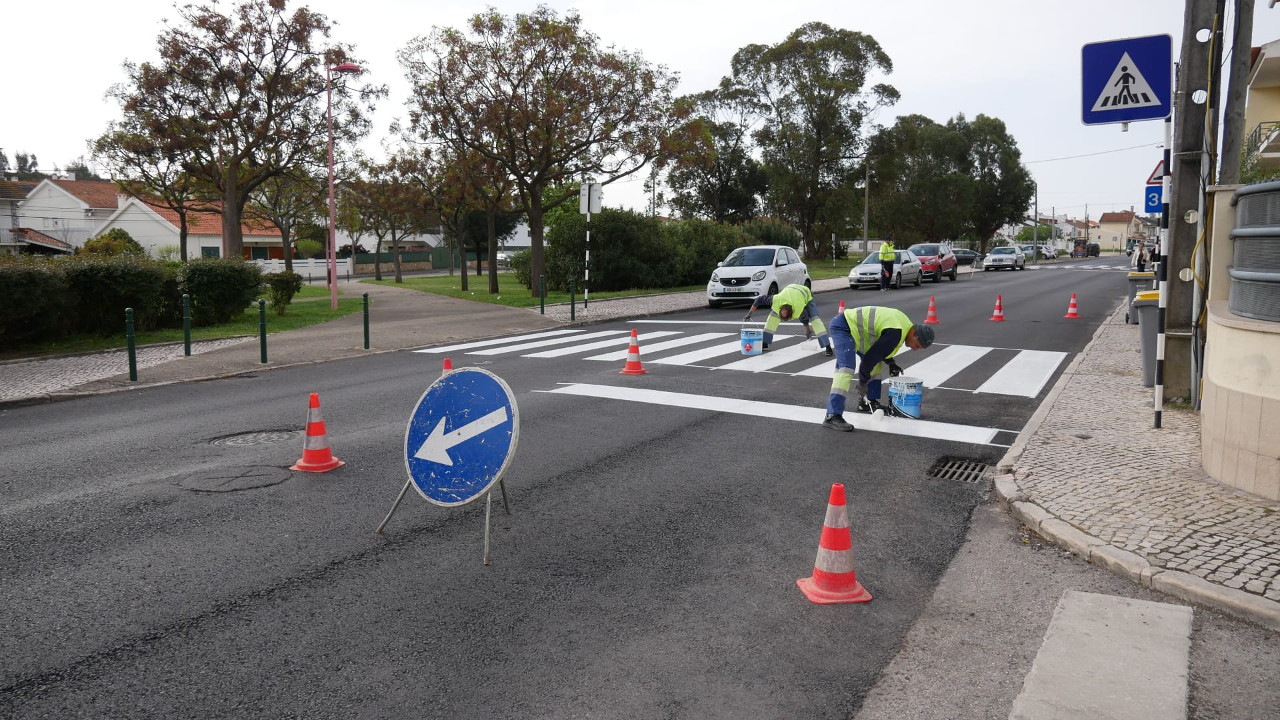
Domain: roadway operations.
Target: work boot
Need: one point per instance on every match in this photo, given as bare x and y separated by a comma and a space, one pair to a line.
837, 422
829, 351
867, 406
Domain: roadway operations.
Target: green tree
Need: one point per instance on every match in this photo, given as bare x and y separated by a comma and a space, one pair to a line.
920, 188
811, 93
240, 97
116, 241
79, 169
392, 205
288, 200
540, 97
724, 183
28, 167
1003, 187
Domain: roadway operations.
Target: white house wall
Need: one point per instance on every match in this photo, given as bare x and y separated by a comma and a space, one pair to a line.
145, 227
54, 212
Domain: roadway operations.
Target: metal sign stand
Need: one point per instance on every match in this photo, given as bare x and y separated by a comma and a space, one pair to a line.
488, 504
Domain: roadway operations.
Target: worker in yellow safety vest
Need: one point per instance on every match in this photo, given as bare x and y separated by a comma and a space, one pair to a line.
873, 335
887, 256
783, 305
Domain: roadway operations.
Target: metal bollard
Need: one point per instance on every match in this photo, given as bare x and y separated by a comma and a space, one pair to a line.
572, 306
132, 344
366, 321
186, 324
262, 329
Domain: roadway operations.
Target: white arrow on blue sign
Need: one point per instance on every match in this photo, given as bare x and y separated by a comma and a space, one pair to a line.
1127, 80
461, 436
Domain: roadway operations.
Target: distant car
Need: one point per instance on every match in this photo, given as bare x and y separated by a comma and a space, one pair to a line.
965, 256
1004, 257
1048, 252
1095, 249
503, 258
936, 259
906, 268
755, 270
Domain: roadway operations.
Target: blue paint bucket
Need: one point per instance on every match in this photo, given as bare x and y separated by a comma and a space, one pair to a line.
906, 394
752, 341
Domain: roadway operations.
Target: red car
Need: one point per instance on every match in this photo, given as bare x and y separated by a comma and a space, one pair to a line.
936, 260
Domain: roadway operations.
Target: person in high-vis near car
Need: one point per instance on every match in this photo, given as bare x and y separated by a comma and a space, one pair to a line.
866, 340
887, 256
783, 306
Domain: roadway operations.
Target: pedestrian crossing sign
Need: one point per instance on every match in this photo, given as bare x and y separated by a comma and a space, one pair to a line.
1127, 80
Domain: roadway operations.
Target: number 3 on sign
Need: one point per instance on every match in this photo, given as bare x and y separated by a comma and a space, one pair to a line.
1155, 200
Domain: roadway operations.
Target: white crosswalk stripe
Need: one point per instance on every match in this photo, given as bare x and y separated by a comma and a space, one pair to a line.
1022, 373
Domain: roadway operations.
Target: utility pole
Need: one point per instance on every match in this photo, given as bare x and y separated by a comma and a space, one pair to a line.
1190, 154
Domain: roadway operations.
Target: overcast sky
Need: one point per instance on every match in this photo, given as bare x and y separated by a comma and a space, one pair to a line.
1016, 60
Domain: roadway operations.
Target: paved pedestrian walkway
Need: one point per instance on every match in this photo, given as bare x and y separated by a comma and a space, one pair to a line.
1089, 472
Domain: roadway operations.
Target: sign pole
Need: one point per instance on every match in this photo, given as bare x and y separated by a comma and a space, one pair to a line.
488, 509
399, 498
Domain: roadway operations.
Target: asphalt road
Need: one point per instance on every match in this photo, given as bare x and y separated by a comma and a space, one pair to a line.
161, 561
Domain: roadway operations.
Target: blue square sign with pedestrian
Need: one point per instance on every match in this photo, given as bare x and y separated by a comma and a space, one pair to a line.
1127, 80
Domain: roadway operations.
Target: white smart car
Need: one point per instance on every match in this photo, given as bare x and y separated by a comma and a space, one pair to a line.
755, 270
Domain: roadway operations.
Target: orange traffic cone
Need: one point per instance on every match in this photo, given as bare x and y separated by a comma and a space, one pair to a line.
448, 367
998, 316
633, 358
834, 580
315, 450
1072, 310
932, 317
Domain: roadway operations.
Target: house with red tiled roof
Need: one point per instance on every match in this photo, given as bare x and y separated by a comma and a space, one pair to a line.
68, 210
156, 229
12, 193
1115, 229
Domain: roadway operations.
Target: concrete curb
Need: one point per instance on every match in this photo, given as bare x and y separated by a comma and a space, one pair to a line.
1120, 562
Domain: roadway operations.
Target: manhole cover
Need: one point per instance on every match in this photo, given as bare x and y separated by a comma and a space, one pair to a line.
235, 479
259, 437
970, 471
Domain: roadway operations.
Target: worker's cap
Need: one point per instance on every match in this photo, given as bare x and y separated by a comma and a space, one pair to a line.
924, 334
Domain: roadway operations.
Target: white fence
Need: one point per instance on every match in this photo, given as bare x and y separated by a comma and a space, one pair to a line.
308, 268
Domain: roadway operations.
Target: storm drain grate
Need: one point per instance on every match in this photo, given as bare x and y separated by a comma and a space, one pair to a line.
258, 437
970, 471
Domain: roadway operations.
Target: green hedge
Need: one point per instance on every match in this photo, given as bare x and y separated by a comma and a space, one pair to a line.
220, 288
33, 300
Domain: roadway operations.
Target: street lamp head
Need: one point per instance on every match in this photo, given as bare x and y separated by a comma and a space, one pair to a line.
346, 67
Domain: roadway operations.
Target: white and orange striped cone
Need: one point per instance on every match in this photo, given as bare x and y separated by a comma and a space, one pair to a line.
633, 357
448, 367
315, 449
1073, 311
834, 580
932, 317
841, 311
998, 315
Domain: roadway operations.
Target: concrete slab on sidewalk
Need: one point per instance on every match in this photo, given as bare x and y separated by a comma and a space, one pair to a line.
1105, 657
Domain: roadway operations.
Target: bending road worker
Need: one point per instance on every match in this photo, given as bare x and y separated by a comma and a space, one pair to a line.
874, 336
782, 307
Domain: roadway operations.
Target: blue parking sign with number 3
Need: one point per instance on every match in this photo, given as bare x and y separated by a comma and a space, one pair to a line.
1155, 198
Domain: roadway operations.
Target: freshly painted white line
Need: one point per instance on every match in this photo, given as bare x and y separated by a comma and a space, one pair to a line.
1025, 374
499, 341
693, 357
776, 356
828, 368
625, 339
797, 413
544, 343
645, 349
942, 365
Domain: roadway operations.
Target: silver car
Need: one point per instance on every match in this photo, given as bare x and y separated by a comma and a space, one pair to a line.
906, 268
1002, 258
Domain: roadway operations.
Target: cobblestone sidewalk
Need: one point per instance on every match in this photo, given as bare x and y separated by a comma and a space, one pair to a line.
1096, 463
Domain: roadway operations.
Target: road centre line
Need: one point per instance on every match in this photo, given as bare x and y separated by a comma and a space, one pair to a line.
797, 413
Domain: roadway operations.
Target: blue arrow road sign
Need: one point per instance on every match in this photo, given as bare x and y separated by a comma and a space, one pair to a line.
1127, 80
1154, 195
461, 436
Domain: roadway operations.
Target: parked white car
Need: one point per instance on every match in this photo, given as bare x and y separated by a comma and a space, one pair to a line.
755, 270
1004, 257
906, 268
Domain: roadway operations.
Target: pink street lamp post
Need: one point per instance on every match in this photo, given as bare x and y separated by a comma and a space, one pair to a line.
344, 68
